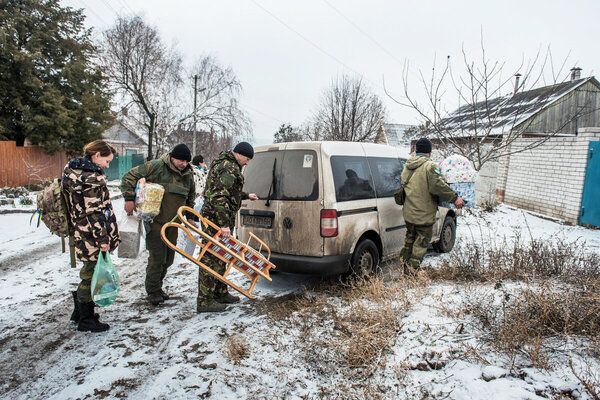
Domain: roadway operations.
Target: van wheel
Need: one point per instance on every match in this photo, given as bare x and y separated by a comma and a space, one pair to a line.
365, 259
447, 236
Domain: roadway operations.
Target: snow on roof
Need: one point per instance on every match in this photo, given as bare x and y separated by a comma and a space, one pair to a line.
120, 133
502, 114
396, 134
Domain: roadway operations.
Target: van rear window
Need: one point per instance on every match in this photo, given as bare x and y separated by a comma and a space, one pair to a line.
283, 175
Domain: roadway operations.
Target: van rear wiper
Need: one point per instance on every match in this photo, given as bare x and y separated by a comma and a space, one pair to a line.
272, 187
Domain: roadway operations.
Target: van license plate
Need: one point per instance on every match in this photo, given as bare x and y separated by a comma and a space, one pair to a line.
258, 221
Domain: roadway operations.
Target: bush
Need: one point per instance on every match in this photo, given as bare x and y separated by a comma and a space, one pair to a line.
26, 201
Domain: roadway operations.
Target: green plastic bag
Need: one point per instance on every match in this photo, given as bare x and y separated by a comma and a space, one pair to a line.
105, 281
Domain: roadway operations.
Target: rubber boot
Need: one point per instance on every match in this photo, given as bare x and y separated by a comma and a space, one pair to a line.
75, 313
227, 299
212, 307
87, 322
155, 298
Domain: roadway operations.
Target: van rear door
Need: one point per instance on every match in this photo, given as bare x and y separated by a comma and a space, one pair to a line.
287, 214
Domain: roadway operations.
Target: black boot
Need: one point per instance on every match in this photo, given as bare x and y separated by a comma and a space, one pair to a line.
87, 322
75, 314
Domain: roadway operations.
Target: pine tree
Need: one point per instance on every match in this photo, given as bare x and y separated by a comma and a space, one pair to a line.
51, 92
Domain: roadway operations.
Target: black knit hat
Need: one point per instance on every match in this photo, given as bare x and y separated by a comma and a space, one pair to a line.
197, 160
181, 152
245, 149
423, 146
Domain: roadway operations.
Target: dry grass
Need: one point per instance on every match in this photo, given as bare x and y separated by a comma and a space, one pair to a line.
521, 299
516, 259
589, 378
236, 348
349, 324
541, 291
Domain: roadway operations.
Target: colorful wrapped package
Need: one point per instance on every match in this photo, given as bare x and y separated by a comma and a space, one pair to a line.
148, 197
456, 169
466, 190
458, 172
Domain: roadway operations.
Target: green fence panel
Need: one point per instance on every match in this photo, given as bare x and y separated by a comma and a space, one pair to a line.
121, 164
112, 172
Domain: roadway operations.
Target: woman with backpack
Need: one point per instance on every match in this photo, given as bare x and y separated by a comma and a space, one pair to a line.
93, 221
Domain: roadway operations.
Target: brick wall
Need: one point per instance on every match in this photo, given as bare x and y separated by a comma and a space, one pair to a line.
548, 179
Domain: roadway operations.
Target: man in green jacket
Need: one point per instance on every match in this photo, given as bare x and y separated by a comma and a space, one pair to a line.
223, 197
423, 185
174, 173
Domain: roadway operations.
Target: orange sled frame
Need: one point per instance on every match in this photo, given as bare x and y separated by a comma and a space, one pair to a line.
233, 253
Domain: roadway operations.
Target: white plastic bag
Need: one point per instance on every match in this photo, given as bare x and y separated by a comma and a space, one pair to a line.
130, 230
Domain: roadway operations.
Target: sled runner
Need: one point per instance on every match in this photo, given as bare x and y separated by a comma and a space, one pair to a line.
250, 262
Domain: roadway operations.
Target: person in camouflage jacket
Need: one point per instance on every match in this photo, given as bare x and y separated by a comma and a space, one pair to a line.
93, 221
223, 197
174, 173
423, 185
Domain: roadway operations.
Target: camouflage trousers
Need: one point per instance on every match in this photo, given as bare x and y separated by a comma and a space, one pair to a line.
416, 243
84, 290
210, 288
160, 257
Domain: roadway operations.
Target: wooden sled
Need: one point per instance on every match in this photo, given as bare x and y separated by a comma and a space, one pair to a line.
233, 253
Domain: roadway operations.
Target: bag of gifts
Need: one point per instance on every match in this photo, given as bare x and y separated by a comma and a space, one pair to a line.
105, 281
458, 172
148, 197
130, 230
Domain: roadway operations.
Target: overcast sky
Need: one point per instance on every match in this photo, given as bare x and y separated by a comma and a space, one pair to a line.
287, 53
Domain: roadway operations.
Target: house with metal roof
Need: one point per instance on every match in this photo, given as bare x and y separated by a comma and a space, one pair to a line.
556, 109
546, 139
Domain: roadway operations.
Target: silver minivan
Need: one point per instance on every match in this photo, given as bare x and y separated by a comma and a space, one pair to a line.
328, 208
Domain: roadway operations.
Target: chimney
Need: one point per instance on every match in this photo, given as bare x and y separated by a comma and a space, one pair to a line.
575, 73
517, 77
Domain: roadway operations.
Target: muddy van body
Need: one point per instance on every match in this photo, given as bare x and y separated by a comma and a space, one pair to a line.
327, 207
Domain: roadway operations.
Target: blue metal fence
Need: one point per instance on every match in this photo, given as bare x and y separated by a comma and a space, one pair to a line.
590, 206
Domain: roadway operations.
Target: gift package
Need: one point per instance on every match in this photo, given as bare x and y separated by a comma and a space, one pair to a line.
458, 172
148, 197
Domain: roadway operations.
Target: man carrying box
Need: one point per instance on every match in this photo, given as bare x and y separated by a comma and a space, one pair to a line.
174, 173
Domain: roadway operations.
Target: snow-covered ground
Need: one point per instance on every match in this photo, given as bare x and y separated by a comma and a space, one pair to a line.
171, 352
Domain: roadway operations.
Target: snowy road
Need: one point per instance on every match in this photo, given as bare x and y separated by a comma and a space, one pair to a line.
172, 352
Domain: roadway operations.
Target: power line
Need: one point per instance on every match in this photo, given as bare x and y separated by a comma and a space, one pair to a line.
306, 39
378, 87
93, 12
264, 114
362, 31
110, 7
126, 5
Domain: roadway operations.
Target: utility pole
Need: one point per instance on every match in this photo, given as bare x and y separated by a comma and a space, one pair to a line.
195, 117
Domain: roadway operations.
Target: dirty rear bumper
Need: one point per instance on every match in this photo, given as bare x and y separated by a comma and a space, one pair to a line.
328, 265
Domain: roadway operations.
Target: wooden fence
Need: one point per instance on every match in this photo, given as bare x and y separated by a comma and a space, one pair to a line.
21, 166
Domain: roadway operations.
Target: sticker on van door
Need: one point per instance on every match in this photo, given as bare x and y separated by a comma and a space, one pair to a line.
308, 160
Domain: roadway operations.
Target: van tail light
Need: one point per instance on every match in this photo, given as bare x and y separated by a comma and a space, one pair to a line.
329, 223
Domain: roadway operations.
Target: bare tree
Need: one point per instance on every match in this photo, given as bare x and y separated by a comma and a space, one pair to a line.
217, 106
492, 107
348, 112
288, 133
141, 70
